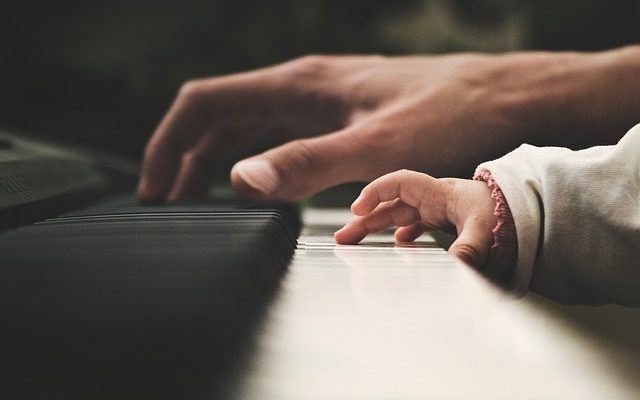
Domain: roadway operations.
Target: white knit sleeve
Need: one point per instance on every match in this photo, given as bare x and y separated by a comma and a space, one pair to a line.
577, 219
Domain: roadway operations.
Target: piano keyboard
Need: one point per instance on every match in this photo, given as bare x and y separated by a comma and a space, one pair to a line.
121, 301
138, 294
379, 321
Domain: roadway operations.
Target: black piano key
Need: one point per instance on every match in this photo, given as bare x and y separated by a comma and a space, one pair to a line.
138, 294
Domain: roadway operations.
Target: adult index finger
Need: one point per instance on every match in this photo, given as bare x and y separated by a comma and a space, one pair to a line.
181, 127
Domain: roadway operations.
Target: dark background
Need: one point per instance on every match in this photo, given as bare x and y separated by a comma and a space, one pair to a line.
103, 73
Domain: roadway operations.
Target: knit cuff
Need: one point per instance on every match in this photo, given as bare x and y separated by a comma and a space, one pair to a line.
504, 249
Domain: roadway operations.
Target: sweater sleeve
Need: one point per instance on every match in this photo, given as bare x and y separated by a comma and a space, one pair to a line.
577, 220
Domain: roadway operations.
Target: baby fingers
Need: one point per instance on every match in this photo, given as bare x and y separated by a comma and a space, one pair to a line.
386, 215
427, 195
410, 233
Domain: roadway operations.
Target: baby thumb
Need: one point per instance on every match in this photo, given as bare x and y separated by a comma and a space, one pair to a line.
473, 244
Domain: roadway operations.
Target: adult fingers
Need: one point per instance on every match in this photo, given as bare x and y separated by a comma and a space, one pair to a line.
292, 97
302, 167
181, 127
198, 169
393, 213
473, 243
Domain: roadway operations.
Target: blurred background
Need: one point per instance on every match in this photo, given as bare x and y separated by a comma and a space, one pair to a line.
102, 74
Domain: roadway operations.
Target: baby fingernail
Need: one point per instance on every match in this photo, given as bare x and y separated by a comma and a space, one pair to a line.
356, 202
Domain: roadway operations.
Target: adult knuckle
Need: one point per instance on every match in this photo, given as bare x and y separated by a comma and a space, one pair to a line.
308, 68
189, 161
303, 154
312, 61
191, 91
194, 162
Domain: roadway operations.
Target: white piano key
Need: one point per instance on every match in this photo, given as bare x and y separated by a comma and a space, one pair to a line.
377, 321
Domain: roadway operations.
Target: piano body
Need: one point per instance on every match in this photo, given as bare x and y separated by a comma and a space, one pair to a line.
104, 298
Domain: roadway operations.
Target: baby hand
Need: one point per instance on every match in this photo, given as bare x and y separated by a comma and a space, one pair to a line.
417, 203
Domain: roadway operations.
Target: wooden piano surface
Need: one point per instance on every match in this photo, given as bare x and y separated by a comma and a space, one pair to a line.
376, 321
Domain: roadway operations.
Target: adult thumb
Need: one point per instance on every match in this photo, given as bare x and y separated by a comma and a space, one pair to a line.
300, 168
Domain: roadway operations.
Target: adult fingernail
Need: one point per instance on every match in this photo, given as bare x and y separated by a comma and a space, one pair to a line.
259, 174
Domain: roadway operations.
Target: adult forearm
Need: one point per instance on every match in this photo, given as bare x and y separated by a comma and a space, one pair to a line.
616, 85
572, 99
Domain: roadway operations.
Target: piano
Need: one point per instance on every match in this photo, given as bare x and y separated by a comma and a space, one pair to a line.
105, 298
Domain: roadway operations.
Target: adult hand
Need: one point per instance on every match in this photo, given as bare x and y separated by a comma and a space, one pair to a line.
418, 203
341, 119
